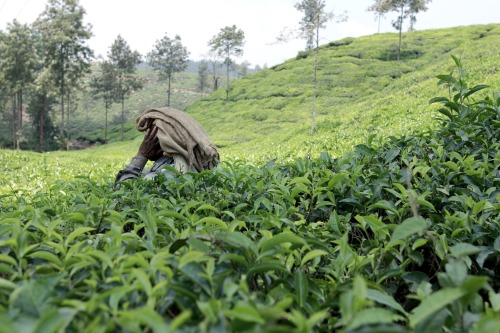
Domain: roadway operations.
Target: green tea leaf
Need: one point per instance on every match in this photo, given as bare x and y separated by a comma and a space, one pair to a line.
311, 255
385, 299
190, 257
246, 312
464, 249
46, 255
54, 320
236, 239
408, 227
145, 316
75, 233
434, 303
301, 287
265, 267
285, 237
372, 316
143, 280
7, 325
384, 204
212, 221
179, 320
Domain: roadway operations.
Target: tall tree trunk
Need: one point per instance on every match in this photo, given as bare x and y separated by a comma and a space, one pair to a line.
123, 113
106, 123
42, 122
62, 114
68, 109
14, 122
62, 93
315, 81
400, 31
227, 82
168, 92
20, 99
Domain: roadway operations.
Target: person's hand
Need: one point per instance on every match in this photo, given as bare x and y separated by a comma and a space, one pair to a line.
150, 146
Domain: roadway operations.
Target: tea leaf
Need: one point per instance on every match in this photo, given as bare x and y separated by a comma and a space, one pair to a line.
54, 320
212, 221
286, 237
301, 287
408, 227
434, 303
311, 255
372, 316
244, 311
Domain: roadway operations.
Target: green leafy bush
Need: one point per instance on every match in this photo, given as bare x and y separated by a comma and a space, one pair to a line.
400, 235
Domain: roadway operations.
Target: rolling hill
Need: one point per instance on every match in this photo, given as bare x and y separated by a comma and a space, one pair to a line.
363, 92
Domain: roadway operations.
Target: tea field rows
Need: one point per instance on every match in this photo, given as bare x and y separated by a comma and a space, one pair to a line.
400, 235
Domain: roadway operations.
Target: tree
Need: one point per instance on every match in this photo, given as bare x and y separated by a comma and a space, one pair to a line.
228, 43
65, 53
168, 57
44, 133
202, 76
103, 86
378, 9
124, 62
314, 18
17, 63
243, 69
214, 64
405, 8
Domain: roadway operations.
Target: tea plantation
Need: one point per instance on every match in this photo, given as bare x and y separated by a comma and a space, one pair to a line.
399, 235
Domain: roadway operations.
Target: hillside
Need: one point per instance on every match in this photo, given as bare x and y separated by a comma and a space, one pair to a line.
401, 237
362, 91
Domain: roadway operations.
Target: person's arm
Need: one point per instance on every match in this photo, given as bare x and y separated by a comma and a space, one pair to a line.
133, 169
149, 150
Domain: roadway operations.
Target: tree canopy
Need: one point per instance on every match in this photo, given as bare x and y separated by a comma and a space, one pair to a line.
168, 57
405, 8
124, 62
65, 52
228, 43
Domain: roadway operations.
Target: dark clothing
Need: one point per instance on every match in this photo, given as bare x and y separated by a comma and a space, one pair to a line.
181, 137
136, 166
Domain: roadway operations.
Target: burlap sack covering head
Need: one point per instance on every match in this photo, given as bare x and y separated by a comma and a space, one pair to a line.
181, 137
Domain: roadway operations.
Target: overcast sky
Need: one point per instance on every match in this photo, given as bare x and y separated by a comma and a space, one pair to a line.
142, 23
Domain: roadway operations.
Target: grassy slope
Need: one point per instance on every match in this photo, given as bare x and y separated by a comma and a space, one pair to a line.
88, 120
360, 93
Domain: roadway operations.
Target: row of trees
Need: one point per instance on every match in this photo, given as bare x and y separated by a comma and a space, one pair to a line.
45, 63
117, 78
43, 66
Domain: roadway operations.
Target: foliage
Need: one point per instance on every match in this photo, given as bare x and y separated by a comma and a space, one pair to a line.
202, 76
400, 235
103, 86
124, 61
65, 54
405, 8
315, 17
43, 134
17, 61
228, 43
168, 57
361, 92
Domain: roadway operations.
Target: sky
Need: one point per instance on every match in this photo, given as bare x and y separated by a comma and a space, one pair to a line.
143, 23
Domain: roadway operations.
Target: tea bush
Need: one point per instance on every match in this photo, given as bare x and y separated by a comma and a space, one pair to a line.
399, 235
